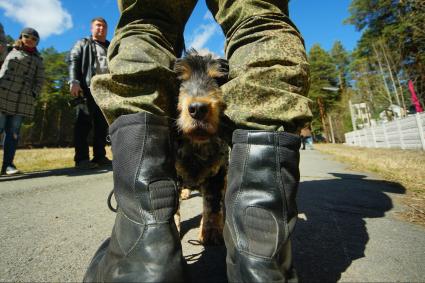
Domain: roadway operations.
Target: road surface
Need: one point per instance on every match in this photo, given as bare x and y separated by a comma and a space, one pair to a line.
52, 222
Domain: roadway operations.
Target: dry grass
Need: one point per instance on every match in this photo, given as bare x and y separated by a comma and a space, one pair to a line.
406, 167
32, 160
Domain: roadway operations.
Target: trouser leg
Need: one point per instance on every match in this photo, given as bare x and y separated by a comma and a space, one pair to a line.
148, 38
269, 74
267, 88
145, 245
100, 129
12, 128
82, 127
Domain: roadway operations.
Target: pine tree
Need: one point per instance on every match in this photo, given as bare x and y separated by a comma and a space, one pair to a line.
323, 75
53, 117
393, 33
340, 113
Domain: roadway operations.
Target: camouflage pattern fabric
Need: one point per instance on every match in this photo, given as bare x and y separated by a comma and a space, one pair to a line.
269, 74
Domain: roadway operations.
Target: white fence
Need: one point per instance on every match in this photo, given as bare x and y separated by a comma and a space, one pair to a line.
406, 133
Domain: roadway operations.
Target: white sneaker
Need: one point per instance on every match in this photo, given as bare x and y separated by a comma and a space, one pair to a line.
11, 170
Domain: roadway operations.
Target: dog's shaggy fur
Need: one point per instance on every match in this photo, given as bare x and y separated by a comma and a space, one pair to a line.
202, 156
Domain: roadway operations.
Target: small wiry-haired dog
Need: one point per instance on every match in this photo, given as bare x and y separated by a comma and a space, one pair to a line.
202, 156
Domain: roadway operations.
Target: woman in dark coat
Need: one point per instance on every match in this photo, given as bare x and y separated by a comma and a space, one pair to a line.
21, 79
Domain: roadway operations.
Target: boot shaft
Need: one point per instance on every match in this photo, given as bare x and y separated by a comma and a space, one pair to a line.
264, 168
260, 206
144, 245
143, 167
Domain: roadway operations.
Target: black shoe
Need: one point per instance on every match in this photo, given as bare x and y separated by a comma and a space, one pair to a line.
102, 162
260, 206
86, 165
145, 244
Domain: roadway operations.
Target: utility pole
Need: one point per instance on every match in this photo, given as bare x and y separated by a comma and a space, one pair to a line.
329, 136
332, 129
383, 75
353, 119
390, 71
323, 116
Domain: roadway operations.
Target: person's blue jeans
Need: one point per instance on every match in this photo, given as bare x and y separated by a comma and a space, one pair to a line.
10, 125
309, 142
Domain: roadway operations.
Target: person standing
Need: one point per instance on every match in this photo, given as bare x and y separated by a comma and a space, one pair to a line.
21, 79
306, 136
267, 88
87, 59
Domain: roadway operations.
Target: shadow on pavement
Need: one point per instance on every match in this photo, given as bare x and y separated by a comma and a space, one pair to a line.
70, 172
208, 265
334, 232
189, 224
333, 235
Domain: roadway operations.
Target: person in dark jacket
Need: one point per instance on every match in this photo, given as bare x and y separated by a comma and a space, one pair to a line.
21, 79
306, 137
88, 58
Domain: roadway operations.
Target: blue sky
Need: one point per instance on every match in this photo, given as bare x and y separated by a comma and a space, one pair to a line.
62, 22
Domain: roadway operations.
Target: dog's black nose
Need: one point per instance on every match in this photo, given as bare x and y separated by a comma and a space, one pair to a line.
198, 110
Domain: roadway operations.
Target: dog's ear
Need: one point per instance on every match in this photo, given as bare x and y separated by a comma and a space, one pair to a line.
219, 70
182, 69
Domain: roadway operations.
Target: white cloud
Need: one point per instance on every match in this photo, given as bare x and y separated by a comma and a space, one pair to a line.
208, 16
46, 16
206, 51
202, 35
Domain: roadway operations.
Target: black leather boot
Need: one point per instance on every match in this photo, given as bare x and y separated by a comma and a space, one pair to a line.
260, 206
144, 245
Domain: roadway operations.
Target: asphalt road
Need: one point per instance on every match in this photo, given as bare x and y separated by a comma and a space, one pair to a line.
52, 222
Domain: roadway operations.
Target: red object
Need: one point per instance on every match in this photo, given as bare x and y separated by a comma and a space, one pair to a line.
415, 99
29, 49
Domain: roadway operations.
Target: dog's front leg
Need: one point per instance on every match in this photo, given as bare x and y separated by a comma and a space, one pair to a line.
212, 223
177, 218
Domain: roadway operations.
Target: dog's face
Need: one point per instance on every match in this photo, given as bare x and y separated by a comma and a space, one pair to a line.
200, 102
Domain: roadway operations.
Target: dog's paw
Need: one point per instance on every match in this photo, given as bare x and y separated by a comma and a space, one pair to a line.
185, 194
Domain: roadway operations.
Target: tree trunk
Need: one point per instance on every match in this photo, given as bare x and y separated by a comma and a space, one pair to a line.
323, 117
390, 70
59, 128
43, 123
383, 74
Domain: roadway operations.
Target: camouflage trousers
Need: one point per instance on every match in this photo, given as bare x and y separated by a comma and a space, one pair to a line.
269, 73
